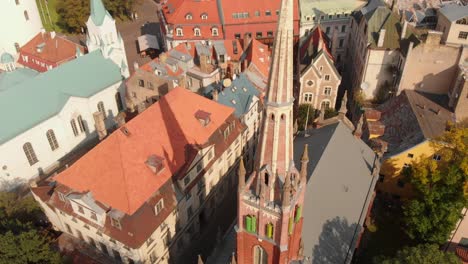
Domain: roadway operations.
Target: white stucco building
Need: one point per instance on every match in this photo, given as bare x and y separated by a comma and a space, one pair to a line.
46, 116
20, 22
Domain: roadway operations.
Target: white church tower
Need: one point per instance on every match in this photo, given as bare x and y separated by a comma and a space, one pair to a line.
103, 35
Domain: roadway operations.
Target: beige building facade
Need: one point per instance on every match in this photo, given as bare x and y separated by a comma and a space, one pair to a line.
452, 20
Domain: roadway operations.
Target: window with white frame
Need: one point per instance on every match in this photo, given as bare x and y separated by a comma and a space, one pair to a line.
204, 16
188, 16
159, 206
327, 77
214, 31
327, 91
308, 97
179, 32
197, 32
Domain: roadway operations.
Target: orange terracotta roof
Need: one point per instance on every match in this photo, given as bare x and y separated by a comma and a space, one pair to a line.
230, 7
54, 50
175, 11
115, 170
314, 39
260, 57
228, 44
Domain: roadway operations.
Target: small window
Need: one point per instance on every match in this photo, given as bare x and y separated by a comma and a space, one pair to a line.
330, 16
80, 209
116, 223
268, 13
199, 167
251, 223
269, 33
310, 83
159, 206
325, 105
179, 33
237, 36
101, 108
463, 35
188, 16
269, 230
26, 16
30, 154
277, 12
93, 216
436, 157
214, 32
52, 140
327, 91
81, 124
327, 31
341, 43
141, 83
410, 155
259, 35
322, 17
204, 16
257, 13
327, 77
197, 32
186, 180
343, 28
74, 128
17, 2
308, 97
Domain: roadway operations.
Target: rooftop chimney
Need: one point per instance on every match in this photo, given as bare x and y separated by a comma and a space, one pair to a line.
380, 42
215, 95
120, 119
100, 125
203, 117
155, 163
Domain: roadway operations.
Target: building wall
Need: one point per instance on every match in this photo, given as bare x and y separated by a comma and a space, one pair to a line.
460, 232
430, 68
15, 166
451, 31
317, 89
197, 80
377, 70
16, 29
458, 95
393, 165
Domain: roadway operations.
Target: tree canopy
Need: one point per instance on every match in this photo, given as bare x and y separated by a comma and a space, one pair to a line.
420, 254
73, 14
22, 239
440, 186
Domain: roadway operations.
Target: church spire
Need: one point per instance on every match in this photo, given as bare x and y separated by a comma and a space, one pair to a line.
98, 12
276, 144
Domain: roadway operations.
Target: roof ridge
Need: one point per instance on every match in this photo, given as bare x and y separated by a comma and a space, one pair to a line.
123, 172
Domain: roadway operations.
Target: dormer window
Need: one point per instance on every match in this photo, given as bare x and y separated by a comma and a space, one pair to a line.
188, 16
115, 222
214, 31
179, 32
197, 32
155, 163
159, 206
203, 117
204, 16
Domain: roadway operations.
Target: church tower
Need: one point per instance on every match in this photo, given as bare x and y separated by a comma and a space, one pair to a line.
102, 34
270, 201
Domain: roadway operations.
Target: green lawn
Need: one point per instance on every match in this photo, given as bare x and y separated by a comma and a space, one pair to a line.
48, 14
386, 240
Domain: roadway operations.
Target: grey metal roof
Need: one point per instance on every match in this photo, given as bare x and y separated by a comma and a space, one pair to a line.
219, 47
202, 49
339, 187
180, 56
454, 12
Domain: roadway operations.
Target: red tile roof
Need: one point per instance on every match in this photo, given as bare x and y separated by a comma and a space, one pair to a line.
115, 170
316, 38
54, 50
260, 57
231, 6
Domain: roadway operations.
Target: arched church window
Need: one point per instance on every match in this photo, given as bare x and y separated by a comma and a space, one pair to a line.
30, 153
52, 139
260, 255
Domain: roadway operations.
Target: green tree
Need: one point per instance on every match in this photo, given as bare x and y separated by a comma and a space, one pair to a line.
302, 116
420, 254
440, 189
73, 14
21, 235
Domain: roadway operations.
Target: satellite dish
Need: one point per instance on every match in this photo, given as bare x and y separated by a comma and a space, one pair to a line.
365, 86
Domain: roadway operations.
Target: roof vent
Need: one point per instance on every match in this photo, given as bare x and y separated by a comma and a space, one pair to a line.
155, 163
40, 47
203, 117
234, 89
125, 131
233, 101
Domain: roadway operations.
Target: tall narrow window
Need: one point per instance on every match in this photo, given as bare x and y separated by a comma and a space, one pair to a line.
26, 16
269, 230
260, 255
197, 32
52, 139
81, 124
74, 128
100, 107
30, 154
118, 100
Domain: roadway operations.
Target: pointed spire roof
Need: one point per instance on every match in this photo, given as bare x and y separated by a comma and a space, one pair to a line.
305, 154
98, 12
281, 71
287, 190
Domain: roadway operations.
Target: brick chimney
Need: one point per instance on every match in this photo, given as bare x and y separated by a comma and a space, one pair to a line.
381, 40
120, 119
100, 125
